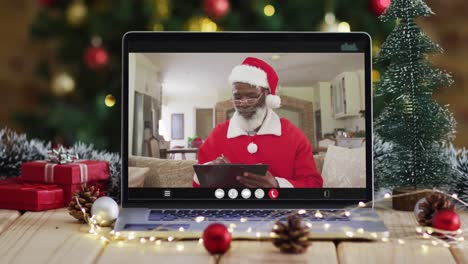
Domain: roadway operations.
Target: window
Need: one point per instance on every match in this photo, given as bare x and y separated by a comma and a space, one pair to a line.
177, 126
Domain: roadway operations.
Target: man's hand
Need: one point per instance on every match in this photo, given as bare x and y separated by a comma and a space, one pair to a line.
252, 180
220, 160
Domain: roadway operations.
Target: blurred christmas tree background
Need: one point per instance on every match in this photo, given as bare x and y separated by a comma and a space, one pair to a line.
82, 39
60, 66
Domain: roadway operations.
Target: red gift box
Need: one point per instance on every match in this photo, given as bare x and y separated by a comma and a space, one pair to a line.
18, 195
69, 176
70, 173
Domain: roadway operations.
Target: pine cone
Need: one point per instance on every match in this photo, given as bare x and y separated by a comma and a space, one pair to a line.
292, 237
435, 201
85, 198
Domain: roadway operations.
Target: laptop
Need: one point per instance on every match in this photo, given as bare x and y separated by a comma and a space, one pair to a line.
175, 86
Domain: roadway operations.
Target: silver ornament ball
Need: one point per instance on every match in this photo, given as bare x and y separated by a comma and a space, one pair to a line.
105, 210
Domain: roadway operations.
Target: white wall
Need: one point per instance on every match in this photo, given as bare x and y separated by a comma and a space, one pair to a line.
329, 123
225, 94
303, 93
131, 98
143, 77
362, 85
188, 107
354, 123
146, 77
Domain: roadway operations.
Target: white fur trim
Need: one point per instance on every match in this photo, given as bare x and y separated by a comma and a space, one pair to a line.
271, 125
273, 101
235, 129
283, 183
195, 179
249, 74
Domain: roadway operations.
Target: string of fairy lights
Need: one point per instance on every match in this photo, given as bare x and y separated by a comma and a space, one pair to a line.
430, 236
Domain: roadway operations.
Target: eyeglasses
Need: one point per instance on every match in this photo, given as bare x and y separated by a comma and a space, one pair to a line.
248, 101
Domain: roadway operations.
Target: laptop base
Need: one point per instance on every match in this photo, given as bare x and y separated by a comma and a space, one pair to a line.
361, 224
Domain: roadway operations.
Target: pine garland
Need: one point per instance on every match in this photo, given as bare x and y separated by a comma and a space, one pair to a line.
380, 151
459, 160
16, 148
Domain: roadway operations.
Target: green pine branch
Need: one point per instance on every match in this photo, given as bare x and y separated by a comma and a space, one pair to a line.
401, 9
406, 41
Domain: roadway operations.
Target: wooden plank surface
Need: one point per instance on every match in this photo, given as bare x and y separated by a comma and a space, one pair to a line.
6, 218
265, 252
460, 252
392, 252
55, 237
167, 252
47, 237
402, 225
405, 246
194, 252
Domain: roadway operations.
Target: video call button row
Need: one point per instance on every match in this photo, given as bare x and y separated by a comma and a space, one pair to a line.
246, 193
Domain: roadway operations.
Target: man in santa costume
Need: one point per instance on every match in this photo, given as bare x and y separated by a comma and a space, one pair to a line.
255, 134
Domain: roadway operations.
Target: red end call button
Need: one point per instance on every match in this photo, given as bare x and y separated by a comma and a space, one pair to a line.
273, 193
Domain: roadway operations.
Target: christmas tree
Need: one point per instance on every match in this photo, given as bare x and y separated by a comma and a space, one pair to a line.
412, 122
83, 71
82, 102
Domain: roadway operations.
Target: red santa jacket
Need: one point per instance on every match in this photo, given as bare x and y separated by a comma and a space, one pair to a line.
281, 145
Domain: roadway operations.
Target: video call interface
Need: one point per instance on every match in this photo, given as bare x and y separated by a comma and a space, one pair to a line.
210, 126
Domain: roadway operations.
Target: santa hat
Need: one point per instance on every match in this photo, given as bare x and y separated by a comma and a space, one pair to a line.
258, 73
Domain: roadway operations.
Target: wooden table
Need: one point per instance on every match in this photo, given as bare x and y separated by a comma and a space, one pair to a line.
54, 237
164, 152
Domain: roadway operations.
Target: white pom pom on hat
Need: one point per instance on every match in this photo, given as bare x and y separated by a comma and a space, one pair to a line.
259, 73
273, 101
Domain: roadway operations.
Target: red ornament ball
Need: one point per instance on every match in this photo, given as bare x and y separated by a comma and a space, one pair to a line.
46, 2
217, 8
216, 239
379, 6
96, 58
447, 220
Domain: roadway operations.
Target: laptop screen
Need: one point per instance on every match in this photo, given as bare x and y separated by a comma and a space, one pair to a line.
239, 121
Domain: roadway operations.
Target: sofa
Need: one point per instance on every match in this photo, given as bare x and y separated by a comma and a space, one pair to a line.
164, 172
340, 168
170, 173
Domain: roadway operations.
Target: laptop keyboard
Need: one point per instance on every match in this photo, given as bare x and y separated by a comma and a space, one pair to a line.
250, 215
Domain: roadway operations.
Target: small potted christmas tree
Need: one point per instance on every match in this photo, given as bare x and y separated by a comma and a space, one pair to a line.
415, 125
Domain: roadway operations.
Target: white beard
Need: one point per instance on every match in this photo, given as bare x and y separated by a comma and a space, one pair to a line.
249, 125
